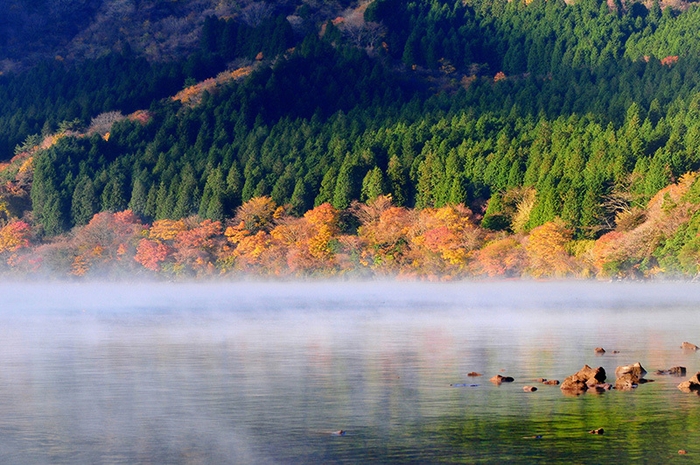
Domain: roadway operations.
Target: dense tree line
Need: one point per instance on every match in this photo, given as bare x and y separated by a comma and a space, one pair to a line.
528, 113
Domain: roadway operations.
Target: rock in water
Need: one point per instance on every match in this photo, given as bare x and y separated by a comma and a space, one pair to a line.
689, 346
599, 350
498, 379
580, 381
692, 385
635, 369
629, 376
529, 388
674, 371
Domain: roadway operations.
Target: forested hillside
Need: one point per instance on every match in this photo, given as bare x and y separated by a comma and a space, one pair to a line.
500, 138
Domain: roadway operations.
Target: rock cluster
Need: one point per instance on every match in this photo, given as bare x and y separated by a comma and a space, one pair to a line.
674, 371
584, 379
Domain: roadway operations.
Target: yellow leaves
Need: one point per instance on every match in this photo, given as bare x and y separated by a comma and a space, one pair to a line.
524, 201
166, 230
14, 236
257, 214
27, 166
448, 232
192, 95
252, 247
319, 244
236, 234
80, 266
546, 250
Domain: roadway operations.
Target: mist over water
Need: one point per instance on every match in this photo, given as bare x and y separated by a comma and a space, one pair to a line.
255, 372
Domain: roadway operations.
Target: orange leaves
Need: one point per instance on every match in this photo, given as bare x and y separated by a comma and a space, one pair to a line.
14, 236
200, 236
323, 225
182, 246
151, 254
166, 230
669, 60
443, 239
257, 214
307, 244
194, 247
502, 257
105, 240
433, 243
192, 95
250, 249
385, 233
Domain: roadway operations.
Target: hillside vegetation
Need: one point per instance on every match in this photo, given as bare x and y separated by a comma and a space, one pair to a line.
422, 138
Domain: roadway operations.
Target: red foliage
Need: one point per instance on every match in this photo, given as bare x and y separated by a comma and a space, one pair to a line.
502, 257
669, 60
151, 254
14, 236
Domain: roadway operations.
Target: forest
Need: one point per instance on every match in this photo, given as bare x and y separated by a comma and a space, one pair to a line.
423, 139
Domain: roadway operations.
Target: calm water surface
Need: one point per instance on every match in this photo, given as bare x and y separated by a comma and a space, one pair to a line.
266, 373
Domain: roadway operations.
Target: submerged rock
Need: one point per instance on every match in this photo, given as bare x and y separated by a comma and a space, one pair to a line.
473, 373
498, 379
691, 385
673, 371
580, 381
529, 388
689, 346
598, 388
551, 382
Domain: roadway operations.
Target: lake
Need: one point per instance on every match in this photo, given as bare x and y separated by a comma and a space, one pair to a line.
266, 373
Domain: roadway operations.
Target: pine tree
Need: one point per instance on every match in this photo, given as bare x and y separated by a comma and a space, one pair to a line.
372, 185
212, 203
84, 203
139, 197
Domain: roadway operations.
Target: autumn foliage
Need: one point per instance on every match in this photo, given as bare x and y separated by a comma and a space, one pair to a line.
432, 243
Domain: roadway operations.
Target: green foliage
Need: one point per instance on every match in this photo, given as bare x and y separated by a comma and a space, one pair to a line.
580, 115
